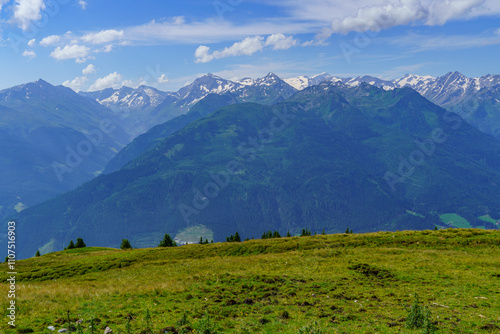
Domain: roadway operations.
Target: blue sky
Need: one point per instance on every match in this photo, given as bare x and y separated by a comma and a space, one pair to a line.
95, 44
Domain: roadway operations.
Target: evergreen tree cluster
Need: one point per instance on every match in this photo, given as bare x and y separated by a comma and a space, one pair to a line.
167, 241
348, 231
234, 238
305, 232
271, 235
79, 244
201, 242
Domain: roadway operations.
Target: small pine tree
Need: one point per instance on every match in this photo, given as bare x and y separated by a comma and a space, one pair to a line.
80, 243
125, 244
148, 320
435, 228
323, 232
92, 326
201, 241
128, 327
169, 242
288, 234
212, 241
415, 317
347, 231
37, 253
71, 245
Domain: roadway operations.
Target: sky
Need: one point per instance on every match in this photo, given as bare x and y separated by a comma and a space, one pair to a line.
91, 45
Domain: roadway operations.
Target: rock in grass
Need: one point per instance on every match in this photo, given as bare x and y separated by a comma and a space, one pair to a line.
63, 330
108, 330
51, 328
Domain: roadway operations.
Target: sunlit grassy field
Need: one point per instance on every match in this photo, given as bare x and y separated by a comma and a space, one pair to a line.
342, 283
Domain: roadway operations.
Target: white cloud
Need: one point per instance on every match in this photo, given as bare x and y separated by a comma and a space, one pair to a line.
77, 84
107, 48
27, 11
104, 36
90, 69
29, 54
404, 12
50, 40
246, 47
31, 42
112, 80
78, 52
82, 4
281, 42
163, 79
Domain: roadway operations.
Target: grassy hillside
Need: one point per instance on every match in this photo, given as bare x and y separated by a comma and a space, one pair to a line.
341, 283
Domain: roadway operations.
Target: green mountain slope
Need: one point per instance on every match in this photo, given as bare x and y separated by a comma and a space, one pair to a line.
326, 158
51, 141
151, 138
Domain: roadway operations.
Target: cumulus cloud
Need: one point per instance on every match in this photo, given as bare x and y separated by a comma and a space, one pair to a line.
104, 36
77, 84
246, 47
75, 51
29, 54
281, 42
82, 4
90, 69
404, 12
163, 79
50, 40
112, 80
31, 42
27, 11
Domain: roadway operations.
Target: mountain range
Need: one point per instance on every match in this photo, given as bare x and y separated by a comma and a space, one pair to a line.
329, 156
43, 128
477, 100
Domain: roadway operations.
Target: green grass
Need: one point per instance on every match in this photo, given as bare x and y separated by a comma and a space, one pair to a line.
454, 220
341, 283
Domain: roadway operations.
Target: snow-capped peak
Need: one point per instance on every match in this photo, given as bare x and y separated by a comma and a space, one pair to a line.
299, 82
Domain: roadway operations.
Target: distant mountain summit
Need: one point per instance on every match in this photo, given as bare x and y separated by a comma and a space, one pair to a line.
140, 98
